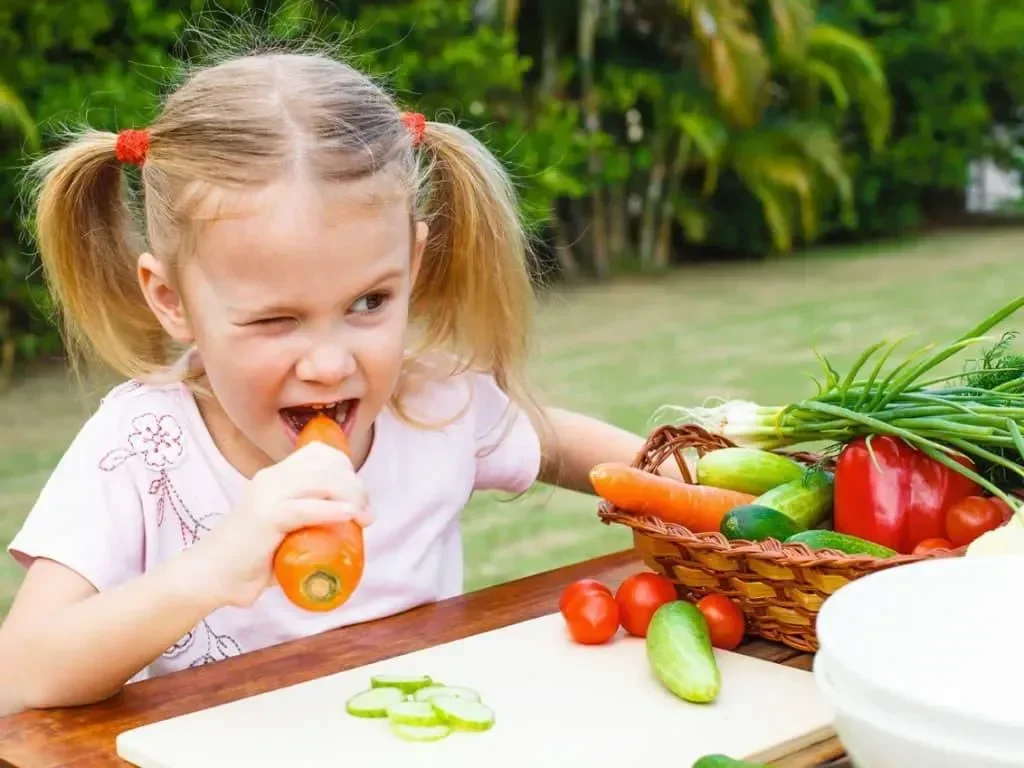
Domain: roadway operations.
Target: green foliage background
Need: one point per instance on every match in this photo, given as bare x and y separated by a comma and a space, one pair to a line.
642, 133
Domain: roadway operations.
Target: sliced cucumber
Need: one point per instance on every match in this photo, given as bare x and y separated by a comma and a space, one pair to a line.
405, 684
455, 691
420, 732
414, 713
463, 714
373, 702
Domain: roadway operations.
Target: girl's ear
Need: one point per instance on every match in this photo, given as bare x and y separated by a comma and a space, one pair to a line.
421, 232
163, 299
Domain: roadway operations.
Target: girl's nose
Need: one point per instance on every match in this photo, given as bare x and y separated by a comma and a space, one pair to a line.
328, 362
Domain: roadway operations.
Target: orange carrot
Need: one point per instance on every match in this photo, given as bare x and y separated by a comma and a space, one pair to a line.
698, 507
319, 567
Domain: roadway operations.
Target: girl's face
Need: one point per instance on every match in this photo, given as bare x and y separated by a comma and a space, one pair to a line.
297, 302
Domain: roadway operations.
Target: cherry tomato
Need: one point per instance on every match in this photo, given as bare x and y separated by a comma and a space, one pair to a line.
592, 617
970, 517
579, 587
725, 620
639, 596
1003, 507
927, 545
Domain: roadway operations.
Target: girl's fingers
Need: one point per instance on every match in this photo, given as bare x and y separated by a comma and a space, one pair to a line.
299, 513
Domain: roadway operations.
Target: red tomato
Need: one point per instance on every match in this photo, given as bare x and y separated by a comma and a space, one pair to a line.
934, 543
1003, 507
578, 587
725, 620
592, 617
639, 596
970, 517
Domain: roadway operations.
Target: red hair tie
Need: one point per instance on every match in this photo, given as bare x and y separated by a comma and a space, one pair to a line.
132, 146
417, 124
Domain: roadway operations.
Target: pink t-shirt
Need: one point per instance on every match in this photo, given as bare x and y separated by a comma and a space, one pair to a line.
144, 480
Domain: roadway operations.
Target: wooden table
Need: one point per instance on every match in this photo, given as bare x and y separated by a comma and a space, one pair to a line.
84, 736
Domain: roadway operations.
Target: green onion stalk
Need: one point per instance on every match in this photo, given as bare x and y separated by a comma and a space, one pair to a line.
978, 413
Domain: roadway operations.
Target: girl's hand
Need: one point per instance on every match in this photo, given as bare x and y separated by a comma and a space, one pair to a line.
315, 485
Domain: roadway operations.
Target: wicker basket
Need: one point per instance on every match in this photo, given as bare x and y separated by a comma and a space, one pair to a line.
778, 587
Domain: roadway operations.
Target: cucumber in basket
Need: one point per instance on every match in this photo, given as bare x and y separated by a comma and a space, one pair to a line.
844, 542
806, 501
756, 523
748, 470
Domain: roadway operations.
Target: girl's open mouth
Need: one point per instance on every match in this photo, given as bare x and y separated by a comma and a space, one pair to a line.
296, 417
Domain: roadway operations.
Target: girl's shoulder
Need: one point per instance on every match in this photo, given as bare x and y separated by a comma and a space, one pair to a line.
477, 415
137, 423
438, 392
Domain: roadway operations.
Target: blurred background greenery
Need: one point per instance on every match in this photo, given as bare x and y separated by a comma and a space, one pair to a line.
728, 147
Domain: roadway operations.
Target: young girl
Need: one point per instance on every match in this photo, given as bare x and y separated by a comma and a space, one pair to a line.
302, 245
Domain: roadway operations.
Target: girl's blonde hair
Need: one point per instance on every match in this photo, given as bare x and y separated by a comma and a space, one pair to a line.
246, 122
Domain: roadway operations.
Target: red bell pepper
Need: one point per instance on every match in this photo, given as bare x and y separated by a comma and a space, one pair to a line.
899, 497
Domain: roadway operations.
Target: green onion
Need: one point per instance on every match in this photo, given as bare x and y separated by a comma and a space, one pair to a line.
980, 414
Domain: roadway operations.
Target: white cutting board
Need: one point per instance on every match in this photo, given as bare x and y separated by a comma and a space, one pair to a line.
557, 703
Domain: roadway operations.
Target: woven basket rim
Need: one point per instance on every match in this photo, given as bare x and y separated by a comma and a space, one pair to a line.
666, 442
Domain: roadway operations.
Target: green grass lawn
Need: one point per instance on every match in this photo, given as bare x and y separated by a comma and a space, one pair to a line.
618, 352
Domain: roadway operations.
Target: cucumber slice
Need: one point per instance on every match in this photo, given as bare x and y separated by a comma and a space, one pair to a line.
454, 691
414, 713
373, 702
420, 732
405, 684
462, 714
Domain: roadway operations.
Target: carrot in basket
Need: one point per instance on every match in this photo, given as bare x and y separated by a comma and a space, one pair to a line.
698, 507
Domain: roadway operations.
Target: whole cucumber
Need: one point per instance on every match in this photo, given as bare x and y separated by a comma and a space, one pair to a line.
680, 653
724, 761
844, 542
748, 470
806, 501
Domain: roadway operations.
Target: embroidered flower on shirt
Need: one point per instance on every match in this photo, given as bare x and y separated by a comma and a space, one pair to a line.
158, 440
218, 647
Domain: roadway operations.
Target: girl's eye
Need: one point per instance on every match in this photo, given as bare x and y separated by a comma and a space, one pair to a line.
370, 303
271, 321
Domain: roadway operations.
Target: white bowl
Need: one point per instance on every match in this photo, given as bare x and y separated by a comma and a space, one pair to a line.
936, 646
875, 738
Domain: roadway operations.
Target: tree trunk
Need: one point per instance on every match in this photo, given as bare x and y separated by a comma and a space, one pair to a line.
588, 21
653, 200
663, 255
567, 263
618, 224
549, 52
511, 15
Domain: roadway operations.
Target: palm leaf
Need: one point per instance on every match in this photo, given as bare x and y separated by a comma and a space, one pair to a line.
793, 20
862, 73
818, 70
789, 166
732, 56
710, 138
14, 112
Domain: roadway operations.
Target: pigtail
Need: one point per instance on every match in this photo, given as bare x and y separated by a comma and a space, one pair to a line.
84, 234
474, 294
473, 291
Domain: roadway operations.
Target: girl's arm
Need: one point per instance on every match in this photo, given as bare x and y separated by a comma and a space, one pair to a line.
64, 644
574, 443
